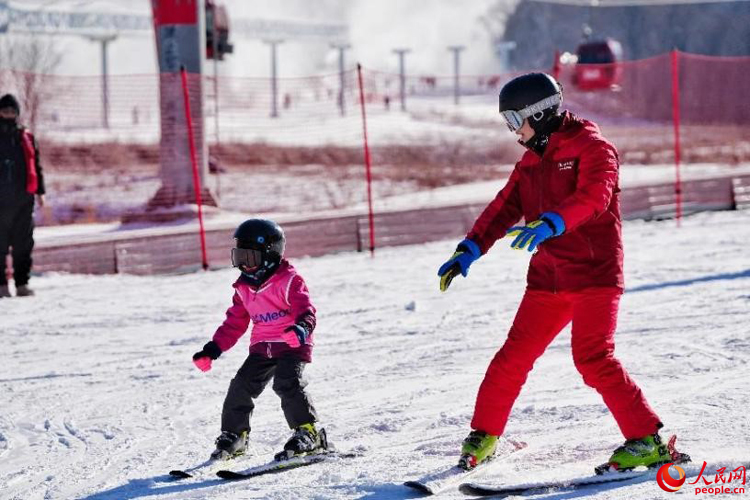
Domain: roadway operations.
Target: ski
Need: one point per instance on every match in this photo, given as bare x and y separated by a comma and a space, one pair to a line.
194, 471
441, 480
548, 486
603, 474
205, 468
275, 466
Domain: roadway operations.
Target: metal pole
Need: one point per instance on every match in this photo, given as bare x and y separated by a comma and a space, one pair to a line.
104, 41
456, 49
402, 75
342, 76
274, 78
215, 44
105, 86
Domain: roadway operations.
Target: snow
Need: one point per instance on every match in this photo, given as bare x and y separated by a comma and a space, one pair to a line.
100, 398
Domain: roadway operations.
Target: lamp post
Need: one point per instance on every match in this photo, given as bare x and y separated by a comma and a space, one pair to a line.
274, 77
104, 40
341, 47
402, 75
456, 49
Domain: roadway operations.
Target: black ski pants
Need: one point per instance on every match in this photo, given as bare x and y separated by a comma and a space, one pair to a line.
252, 378
17, 231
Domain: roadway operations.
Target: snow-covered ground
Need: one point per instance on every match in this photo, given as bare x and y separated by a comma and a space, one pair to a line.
100, 398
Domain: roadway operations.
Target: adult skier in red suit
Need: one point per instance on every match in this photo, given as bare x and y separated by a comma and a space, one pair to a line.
565, 188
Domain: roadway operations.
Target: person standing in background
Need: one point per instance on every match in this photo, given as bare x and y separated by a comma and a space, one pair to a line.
21, 181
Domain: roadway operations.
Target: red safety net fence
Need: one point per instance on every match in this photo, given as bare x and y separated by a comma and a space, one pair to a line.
294, 146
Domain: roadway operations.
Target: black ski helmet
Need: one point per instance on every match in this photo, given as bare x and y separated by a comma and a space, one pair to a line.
261, 234
536, 96
259, 247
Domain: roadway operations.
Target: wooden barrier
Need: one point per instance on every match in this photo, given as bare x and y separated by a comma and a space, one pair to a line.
177, 251
741, 190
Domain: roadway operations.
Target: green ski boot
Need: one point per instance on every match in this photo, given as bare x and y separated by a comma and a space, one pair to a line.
478, 447
649, 451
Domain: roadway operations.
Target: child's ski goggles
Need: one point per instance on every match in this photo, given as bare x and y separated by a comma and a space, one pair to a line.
246, 257
514, 119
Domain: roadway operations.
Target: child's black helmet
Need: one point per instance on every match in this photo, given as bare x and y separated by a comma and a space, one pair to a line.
261, 234
259, 247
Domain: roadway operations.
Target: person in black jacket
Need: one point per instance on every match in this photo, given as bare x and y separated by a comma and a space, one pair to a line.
20, 181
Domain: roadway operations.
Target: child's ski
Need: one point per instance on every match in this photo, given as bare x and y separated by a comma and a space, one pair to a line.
275, 466
207, 467
194, 471
441, 480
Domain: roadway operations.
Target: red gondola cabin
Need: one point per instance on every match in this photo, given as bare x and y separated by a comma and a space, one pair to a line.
598, 66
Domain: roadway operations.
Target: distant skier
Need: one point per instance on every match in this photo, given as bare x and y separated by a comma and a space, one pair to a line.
273, 296
565, 187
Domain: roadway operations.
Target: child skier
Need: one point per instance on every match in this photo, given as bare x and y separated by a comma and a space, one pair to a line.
565, 187
271, 294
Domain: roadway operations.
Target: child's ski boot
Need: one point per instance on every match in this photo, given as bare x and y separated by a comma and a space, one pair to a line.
306, 440
478, 447
649, 452
230, 445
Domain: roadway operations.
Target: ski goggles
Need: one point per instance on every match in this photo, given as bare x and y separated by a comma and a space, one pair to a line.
514, 119
246, 257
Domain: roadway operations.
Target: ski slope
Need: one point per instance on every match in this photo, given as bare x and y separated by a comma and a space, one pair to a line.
99, 398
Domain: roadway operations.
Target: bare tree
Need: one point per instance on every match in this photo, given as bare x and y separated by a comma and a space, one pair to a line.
28, 61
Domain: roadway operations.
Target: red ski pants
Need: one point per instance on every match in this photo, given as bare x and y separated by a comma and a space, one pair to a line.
540, 317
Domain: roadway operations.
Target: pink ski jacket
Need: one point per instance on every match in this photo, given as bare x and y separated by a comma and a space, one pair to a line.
279, 303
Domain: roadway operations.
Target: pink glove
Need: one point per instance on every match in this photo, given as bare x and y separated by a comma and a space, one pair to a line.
203, 364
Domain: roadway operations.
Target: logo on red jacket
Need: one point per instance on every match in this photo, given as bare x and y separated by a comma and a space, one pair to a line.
566, 165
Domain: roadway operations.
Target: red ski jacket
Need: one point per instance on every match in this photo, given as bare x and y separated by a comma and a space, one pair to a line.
577, 178
30, 153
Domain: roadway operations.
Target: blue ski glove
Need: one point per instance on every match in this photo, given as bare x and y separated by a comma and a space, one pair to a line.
297, 334
534, 233
466, 253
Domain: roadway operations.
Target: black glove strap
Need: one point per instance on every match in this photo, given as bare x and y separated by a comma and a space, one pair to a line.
550, 224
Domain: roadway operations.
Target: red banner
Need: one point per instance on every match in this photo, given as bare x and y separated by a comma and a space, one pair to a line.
175, 12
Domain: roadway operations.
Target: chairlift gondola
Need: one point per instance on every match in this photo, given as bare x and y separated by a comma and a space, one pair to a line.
598, 64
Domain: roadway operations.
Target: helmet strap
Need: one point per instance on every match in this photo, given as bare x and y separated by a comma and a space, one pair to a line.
262, 274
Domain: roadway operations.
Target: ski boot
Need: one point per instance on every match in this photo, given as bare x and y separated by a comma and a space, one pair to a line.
230, 445
478, 447
649, 451
24, 291
306, 440
4, 292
